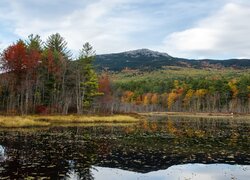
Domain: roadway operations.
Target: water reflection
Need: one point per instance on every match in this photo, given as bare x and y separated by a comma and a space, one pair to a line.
3, 155
74, 152
188, 171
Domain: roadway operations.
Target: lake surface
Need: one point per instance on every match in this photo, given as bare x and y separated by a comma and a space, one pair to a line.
158, 148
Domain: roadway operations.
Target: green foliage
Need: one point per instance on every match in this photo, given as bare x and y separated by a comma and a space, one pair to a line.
161, 81
89, 86
211, 89
56, 42
34, 42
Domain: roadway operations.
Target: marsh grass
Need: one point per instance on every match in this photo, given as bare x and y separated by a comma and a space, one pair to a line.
86, 119
19, 121
40, 121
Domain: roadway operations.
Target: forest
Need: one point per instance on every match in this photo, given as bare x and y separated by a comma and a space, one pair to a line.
39, 77
179, 89
42, 78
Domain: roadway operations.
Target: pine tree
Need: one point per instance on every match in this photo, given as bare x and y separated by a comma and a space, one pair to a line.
89, 84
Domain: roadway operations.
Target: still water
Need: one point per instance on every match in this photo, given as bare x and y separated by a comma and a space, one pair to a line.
157, 148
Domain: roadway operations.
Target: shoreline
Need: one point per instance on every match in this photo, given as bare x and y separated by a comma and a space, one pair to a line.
28, 121
194, 114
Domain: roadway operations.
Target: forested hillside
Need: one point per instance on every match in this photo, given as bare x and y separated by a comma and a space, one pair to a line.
145, 59
145, 80
181, 89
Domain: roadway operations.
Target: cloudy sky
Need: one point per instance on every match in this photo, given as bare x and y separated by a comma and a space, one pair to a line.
183, 28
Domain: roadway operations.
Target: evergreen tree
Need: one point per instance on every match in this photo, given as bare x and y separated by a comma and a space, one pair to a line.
89, 84
56, 42
34, 42
55, 60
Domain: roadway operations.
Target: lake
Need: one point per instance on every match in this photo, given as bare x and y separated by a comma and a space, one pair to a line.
158, 148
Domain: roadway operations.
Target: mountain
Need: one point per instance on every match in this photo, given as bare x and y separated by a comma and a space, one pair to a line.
145, 59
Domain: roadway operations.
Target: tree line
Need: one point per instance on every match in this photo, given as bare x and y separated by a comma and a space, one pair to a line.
40, 77
189, 94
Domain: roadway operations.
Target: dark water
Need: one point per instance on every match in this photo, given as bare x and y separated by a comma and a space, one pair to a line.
169, 148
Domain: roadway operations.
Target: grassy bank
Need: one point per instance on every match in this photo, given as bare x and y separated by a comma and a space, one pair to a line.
41, 121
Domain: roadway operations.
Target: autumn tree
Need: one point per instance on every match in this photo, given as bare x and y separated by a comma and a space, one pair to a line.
15, 58
188, 97
106, 98
16, 63
172, 97
105, 86
154, 99
200, 94
128, 97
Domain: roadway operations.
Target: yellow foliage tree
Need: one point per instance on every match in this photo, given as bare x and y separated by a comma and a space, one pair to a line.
233, 87
172, 98
188, 97
200, 93
147, 99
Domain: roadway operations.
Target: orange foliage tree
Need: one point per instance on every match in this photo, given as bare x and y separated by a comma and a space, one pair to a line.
154, 98
172, 97
105, 88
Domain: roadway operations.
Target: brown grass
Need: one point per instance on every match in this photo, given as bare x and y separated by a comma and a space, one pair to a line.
86, 119
18, 121
39, 121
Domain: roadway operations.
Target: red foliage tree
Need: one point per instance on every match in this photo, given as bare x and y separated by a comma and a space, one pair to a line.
53, 62
33, 59
15, 58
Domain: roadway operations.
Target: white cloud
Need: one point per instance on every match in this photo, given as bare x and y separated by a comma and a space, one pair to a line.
119, 25
106, 24
106, 32
224, 34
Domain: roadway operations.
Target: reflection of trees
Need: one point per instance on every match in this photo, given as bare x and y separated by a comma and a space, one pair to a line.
145, 154
149, 146
48, 155
181, 141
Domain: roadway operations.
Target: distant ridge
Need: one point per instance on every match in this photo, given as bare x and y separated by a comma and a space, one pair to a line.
146, 59
145, 52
